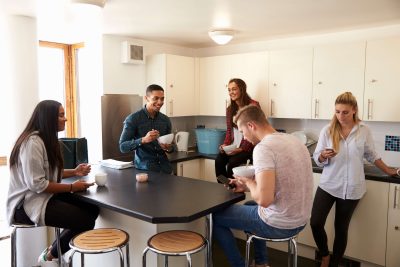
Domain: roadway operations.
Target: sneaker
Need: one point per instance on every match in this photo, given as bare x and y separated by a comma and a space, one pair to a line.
43, 262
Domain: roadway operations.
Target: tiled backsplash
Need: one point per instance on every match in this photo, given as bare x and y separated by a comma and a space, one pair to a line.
392, 143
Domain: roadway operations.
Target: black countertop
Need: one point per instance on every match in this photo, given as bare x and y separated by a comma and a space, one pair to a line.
371, 171
163, 199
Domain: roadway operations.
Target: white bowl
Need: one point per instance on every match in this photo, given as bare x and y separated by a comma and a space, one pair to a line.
229, 148
142, 177
100, 178
166, 139
244, 171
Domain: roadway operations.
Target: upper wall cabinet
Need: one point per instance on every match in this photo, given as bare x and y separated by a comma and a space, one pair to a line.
213, 83
337, 69
253, 69
215, 73
382, 80
290, 83
176, 74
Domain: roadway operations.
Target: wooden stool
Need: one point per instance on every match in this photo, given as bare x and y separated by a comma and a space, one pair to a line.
99, 241
292, 248
176, 243
14, 242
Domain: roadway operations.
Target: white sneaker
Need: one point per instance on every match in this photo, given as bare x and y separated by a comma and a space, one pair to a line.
43, 262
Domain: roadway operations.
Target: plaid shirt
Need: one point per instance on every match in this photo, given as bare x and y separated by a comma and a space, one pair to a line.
244, 144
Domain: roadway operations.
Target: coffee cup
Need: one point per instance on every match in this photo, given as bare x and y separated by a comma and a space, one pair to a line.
100, 178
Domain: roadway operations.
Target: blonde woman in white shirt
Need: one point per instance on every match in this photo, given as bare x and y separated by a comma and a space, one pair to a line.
341, 149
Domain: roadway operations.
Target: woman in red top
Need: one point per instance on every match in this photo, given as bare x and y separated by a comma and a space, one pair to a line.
225, 162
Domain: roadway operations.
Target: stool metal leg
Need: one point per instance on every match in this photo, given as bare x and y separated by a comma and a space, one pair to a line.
166, 261
144, 256
82, 259
248, 245
58, 241
70, 258
294, 245
189, 260
14, 247
128, 264
121, 257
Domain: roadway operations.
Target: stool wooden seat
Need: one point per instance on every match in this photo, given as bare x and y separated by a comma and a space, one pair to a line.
176, 243
100, 241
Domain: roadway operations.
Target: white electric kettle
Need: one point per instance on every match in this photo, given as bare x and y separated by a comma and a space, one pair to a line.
181, 141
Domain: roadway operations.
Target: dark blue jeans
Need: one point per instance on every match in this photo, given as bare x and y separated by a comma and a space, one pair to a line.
245, 217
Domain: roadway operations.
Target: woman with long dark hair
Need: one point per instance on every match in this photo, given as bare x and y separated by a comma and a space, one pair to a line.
36, 194
341, 149
226, 161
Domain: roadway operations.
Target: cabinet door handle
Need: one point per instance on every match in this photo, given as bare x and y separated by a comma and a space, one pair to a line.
171, 107
395, 198
369, 110
373, 81
316, 109
181, 167
272, 107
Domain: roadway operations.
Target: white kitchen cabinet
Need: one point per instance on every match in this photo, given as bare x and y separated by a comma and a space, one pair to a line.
290, 83
215, 73
208, 168
367, 232
189, 168
382, 79
306, 237
393, 231
337, 69
213, 85
176, 74
253, 69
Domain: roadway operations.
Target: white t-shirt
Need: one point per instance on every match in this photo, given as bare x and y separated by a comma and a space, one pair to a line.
293, 180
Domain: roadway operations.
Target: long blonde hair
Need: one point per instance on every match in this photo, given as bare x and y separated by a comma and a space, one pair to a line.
346, 98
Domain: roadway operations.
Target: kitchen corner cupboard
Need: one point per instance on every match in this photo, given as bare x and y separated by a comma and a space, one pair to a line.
290, 83
337, 69
382, 80
176, 74
393, 231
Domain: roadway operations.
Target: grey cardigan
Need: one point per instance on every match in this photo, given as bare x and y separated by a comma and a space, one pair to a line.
29, 178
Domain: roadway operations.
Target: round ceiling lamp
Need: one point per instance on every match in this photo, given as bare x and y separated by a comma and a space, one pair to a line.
221, 37
99, 3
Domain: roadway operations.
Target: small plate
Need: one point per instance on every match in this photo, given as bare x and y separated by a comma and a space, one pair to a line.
301, 136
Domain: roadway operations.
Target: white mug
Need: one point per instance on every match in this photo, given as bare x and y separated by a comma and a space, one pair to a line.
100, 178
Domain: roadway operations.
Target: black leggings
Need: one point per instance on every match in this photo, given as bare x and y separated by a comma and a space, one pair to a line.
74, 216
224, 163
67, 212
323, 203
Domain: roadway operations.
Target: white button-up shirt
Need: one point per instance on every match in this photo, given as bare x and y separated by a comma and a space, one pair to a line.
343, 175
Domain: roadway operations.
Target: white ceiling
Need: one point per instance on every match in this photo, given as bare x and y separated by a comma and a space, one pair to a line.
187, 22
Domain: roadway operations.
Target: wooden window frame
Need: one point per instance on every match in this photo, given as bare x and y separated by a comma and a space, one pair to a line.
70, 53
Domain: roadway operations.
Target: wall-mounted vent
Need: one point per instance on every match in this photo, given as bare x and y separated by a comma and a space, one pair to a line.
131, 53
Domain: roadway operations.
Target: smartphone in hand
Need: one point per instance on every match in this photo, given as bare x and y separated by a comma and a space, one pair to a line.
222, 179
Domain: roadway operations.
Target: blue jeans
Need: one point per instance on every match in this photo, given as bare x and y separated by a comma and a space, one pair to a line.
245, 217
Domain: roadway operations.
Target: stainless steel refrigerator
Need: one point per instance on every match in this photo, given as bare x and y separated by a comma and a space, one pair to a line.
114, 109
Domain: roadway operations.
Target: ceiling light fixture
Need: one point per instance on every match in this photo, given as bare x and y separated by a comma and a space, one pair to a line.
99, 3
221, 37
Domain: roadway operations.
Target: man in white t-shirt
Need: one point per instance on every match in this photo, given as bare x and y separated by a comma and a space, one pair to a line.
282, 188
